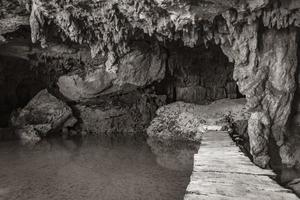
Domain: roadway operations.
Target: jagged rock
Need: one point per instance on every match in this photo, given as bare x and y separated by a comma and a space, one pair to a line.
75, 87
186, 122
28, 134
12, 24
143, 66
139, 68
267, 77
109, 121
109, 24
12, 17
42, 115
128, 114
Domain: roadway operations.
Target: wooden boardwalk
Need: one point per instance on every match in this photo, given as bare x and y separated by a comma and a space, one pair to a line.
222, 171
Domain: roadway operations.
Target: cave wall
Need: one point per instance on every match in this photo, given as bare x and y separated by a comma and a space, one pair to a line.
199, 75
259, 37
265, 70
122, 104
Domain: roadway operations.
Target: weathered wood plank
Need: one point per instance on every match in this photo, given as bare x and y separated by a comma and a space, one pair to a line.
222, 171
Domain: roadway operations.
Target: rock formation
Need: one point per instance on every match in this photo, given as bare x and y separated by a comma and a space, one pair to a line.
42, 115
181, 121
124, 114
140, 67
258, 37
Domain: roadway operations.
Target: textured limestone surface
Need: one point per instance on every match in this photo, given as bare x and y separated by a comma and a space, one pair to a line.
109, 24
141, 67
187, 122
266, 76
42, 115
126, 114
13, 15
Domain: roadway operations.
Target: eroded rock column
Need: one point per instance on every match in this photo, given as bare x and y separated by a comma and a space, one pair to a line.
265, 74
279, 56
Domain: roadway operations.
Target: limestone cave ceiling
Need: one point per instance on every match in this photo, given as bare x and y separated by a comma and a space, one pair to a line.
108, 25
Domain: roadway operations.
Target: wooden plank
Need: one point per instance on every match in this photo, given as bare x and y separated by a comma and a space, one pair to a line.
222, 171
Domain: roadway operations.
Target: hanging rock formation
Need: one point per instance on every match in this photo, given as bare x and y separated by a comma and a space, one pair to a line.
139, 68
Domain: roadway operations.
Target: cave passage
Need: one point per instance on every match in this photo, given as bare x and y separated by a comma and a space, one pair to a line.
198, 75
18, 85
111, 99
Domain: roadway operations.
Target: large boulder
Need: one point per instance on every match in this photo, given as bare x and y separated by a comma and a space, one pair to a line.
44, 114
186, 122
76, 87
144, 65
97, 120
127, 114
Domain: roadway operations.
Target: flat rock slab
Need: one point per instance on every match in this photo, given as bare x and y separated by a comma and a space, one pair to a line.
222, 171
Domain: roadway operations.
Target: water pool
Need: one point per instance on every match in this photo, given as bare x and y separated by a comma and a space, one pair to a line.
90, 168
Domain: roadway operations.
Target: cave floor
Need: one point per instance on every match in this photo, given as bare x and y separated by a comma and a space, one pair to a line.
222, 171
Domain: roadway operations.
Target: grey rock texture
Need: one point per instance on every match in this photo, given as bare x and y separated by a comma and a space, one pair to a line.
181, 121
126, 114
139, 68
13, 15
258, 36
266, 75
75, 87
108, 24
41, 116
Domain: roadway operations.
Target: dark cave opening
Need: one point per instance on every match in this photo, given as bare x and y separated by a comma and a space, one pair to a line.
198, 75
18, 85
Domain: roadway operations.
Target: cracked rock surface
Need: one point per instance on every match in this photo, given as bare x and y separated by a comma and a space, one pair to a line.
42, 115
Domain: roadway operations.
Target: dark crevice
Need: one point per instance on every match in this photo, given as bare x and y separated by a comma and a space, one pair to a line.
18, 85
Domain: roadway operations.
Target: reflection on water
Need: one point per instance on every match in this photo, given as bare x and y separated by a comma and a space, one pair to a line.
92, 168
174, 155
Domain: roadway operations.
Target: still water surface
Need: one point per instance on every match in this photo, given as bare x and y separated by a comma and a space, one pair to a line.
88, 169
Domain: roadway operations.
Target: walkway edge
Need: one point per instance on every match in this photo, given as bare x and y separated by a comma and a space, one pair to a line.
222, 172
